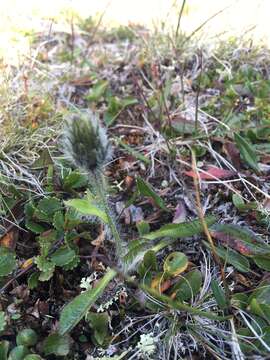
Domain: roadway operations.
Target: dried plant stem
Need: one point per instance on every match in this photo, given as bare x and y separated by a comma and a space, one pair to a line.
204, 225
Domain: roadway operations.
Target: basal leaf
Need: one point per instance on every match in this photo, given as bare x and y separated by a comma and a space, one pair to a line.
177, 305
262, 262
219, 295
240, 239
185, 229
175, 263
136, 154
97, 91
232, 257
56, 344
99, 323
78, 307
46, 208
146, 189
86, 207
188, 286
247, 152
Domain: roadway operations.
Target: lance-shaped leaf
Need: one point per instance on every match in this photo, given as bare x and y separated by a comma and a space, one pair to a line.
185, 229
78, 307
86, 207
146, 189
247, 152
232, 257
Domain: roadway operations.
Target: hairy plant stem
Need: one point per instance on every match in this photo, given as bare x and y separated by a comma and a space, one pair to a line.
98, 182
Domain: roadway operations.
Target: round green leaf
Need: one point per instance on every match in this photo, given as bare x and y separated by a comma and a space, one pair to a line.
175, 263
18, 353
27, 337
62, 256
56, 344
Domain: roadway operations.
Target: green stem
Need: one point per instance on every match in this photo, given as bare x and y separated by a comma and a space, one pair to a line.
100, 188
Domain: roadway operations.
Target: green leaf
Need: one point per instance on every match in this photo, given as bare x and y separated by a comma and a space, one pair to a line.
27, 337
97, 91
72, 219
99, 323
219, 295
262, 262
247, 152
262, 293
4, 346
7, 261
78, 307
232, 257
175, 263
33, 357
136, 154
3, 321
150, 260
87, 207
143, 227
239, 300
115, 107
46, 209
262, 310
46, 240
177, 305
241, 205
185, 229
253, 244
146, 189
63, 256
137, 248
32, 280
31, 225
46, 268
44, 160
59, 220
18, 353
188, 286
56, 344
75, 180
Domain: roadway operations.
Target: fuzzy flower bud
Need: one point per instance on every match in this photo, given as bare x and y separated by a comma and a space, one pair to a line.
85, 142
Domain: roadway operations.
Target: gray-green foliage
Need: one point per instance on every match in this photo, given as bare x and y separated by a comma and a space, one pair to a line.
85, 143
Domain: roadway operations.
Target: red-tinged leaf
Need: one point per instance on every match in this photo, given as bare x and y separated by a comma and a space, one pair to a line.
212, 173
232, 242
240, 239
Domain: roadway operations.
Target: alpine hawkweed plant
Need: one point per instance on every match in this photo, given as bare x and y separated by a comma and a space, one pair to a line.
86, 147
